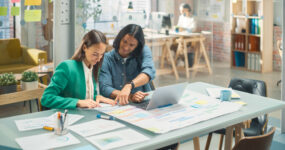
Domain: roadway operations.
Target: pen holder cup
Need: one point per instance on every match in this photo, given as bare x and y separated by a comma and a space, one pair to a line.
61, 125
226, 95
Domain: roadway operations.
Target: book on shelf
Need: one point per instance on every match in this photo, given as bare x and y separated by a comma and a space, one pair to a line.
254, 26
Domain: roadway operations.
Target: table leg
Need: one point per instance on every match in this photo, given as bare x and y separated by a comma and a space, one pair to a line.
178, 51
196, 143
198, 58
229, 138
206, 56
167, 44
238, 132
186, 59
30, 106
162, 57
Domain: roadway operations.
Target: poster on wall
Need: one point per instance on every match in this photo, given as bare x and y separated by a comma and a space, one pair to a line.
217, 10
211, 9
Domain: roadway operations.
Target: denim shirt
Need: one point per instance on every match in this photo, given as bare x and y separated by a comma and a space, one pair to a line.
115, 72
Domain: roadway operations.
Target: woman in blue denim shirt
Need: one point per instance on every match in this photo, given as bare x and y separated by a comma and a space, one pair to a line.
127, 69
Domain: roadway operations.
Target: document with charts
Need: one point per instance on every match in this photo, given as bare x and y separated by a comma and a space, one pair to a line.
216, 92
46, 141
192, 108
95, 127
116, 139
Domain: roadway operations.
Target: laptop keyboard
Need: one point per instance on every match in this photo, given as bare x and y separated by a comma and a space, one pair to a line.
142, 105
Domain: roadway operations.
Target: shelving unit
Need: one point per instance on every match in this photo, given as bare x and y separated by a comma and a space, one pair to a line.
252, 35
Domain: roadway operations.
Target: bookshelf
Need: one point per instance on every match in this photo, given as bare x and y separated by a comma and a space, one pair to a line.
252, 35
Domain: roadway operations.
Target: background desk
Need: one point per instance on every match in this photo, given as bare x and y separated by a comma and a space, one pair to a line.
256, 106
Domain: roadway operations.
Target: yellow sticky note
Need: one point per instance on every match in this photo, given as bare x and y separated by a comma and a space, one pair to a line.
240, 102
33, 15
235, 95
3, 11
33, 2
201, 102
15, 11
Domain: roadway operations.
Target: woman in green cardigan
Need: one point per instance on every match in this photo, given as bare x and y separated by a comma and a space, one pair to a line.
74, 81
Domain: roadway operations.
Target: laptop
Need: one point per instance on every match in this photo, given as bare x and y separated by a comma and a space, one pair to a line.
162, 97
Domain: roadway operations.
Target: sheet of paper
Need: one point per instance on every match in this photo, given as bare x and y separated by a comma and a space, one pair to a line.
15, 11
33, 2
86, 147
15, 1
33, 15
38, 123
117, 139
95, 127
46, 141
3, 11
216, 92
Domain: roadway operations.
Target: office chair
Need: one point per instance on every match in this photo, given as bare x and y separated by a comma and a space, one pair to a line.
258, 125
261, 142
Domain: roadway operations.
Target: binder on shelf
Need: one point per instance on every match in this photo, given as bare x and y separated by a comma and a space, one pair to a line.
252, 62
248, 61
258, 62
239, 59
255, 62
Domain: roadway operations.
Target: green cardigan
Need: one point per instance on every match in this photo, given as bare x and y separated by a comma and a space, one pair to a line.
67, 86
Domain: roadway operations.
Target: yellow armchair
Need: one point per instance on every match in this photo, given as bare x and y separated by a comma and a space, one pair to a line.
16, 58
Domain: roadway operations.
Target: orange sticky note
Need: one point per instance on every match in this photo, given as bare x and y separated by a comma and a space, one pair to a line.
3, 11
33, 2
33, 15
15, 11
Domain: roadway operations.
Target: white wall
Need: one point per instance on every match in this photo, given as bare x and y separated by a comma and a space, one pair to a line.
277, 12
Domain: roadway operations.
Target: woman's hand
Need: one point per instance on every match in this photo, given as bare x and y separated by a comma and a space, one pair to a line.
139, 96
123, 95
87, 103
102, 99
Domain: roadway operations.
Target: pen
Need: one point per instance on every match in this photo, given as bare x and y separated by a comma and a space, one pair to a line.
65, 113
48, 128
105, 117
61, 122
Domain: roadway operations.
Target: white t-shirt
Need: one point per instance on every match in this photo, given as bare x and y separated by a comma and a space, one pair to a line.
187, 23
88, 73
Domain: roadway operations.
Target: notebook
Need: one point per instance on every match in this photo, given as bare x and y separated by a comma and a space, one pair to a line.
216, 92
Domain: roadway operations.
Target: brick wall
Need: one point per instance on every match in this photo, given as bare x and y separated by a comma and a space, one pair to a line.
277, 61
221, 39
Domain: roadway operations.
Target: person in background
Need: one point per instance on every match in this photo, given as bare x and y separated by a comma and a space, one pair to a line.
128, 69
74, 81
186, 21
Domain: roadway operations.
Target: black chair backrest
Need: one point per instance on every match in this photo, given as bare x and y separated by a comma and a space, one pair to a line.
254, 87
249, 85
261, 142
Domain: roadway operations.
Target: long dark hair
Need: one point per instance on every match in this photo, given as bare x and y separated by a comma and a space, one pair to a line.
89, 39
135, 31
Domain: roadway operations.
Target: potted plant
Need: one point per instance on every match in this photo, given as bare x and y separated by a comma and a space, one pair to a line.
29, 80
8, 83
